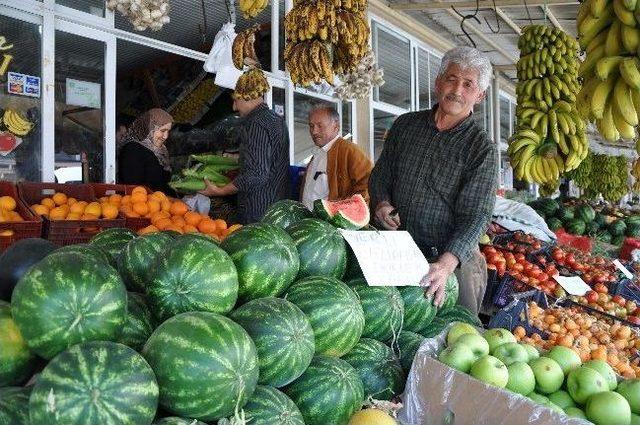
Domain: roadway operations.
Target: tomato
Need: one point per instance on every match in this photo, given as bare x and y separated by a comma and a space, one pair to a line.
528, 267
487, 250
551, 270
520, 257
637, 312
536, 245
592, 297
557, 254
634, 319
619, 300
600, 288
510, 261
601, 278
524, 279
534, 282
517, 267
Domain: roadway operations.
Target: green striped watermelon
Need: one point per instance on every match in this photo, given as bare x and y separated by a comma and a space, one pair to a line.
139, 325
283, 336
113, 241
418, 310
269, 406
174, 420
407, 345
353, 267
436, 327
328, 392
196, 236
174, 234
285, 213
14, 405
192, 276
333, 310
98, 382
378, 367
68, 298
87, 249
138, 258
321, 248
451, 292
383, 309
266, 260
16, 360
206, 365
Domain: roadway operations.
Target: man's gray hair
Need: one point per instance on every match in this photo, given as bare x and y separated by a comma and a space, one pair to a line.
469, 58
327, 107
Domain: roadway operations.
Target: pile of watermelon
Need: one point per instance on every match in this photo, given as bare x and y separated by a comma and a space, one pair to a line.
172, 329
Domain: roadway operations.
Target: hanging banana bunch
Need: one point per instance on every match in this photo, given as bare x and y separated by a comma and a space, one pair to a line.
550, 138
610, 34
603, 175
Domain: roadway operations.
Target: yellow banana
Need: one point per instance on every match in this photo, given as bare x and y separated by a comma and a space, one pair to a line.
635, 98
600, 96
630, 4
613, 46
630, 71
591, 26
598, 40
624, 15
630, 38
622, 99
608, 65
590, 61
597, 7
624, 128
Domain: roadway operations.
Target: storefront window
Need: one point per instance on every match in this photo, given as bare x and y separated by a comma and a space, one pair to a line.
303, 144
347, 122
382, 122
394, 56
79, 96
423, 79
434, 68
20, 100
505, 117
94, 7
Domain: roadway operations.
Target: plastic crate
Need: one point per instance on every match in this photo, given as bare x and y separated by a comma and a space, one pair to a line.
66, 232
31, 227
601, 314
103, 189
515, 313
508, 288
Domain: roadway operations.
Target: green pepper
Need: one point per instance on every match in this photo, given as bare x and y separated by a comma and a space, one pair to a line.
211, 159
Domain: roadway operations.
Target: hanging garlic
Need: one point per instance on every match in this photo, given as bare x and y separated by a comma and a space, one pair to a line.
143, 14
358, 84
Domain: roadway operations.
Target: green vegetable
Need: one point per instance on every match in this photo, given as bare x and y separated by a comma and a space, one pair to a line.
206, 173
190, 184
214, 159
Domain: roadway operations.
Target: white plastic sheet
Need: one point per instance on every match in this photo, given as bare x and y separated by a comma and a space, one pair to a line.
220, 60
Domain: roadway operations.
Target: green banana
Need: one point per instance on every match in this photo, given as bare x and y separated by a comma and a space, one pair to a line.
630, 71
613, 46
635, 98
630, 4
591, 60
606, 65
598, 40
624, 15
630, 38
597, 7
622, 98
591, 26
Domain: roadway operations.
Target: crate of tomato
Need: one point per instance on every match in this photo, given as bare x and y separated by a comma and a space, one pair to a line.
16, 220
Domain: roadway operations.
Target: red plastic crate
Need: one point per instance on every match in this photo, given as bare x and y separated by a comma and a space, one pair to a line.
31, 227
103, 189
66, 232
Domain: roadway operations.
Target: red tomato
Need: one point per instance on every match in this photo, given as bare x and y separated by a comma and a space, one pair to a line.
619, 300
517, 267
634, 319
592, 297
600, 288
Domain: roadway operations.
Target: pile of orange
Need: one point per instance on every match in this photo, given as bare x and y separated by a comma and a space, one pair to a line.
63, 207
8, 209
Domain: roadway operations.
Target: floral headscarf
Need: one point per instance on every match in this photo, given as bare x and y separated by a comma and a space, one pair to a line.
141, 131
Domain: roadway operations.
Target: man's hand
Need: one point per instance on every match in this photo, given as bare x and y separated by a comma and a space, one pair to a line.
210, 189
437, 277
384, 216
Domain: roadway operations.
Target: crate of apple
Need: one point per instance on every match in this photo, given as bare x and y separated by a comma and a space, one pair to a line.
593, 270
518, 242
615, 305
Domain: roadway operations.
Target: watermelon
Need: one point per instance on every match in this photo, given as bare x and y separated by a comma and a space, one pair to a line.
68, 298
547, 206
565, 214
601, 219
138, 258
418, 310
328, 392
174, 234
192, 276
206, 365
604, 236
633, 230
350, 214
383, 309
98, 382
174, 420
585, 213
17, 259
14, 405
435, 328
353, 267
575, 226
617, 228
334, 312
196, 236
554, 223
451, 292
407, 347
139, 324
16, 360
617, 240
266, 260
321, 248
87, 249
378, 367
113, 241
283, 336
458, 313
269, 406
285, 213
592, 228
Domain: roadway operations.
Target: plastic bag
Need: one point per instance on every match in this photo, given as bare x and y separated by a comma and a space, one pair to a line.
198, 203
515, 215
220, 61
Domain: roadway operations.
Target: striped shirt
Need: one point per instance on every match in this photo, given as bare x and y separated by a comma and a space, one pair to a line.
442, 183
264, 163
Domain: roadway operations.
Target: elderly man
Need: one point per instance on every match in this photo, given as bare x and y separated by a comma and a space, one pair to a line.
338, 168
437, 176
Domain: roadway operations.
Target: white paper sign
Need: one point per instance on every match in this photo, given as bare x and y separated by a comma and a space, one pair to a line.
84, 93
388, 258
574, 285
623, 269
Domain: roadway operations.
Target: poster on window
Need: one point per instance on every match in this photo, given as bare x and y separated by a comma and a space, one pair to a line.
23, 85
84, 93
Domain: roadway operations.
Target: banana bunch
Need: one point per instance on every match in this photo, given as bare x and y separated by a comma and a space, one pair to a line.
610, 34
550, 136
354, 6
312, 20
251, 85
251, 8
16, 123
603, 175
243, 48
308, 62
187, 109
353, 43
547, 190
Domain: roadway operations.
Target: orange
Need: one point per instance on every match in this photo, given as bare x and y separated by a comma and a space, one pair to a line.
154, 206
138, 197
71, 201
163, 223
193, 218
13, 216
40, 209
190, 229
165, 205
115, 199
59, 198
109, 211
140, 208
57, 213
93, 208
87, 216
126, 200
131, 214
6, 233
48, 202
74, 216
77, 208
178, 208
104, 199
149, 229
221, 225
139, 189
178, 220
158, 215
174, 228
7, 203
207, 225
159, 196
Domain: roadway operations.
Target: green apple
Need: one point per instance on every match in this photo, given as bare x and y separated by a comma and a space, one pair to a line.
630, 389
511, 352
562, 399
458, 356
608, 408
555, 407
635, 419
605, 370
575, 412
476, 343
521, 378
531, 350
459, 329
498, 336
538, 398
566, 358
490, 370
584, 382
548, 373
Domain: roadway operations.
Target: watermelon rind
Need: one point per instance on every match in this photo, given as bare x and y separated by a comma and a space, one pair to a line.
418, 310
113, 241
269, 406
87, 249
286, 212
321, 210
283, 337
617, 228
406, 347
66, 299
333, 310
328, 392
16, 360
206, 365
192, 276
378, 367
266, 260
138, 257
139, 324
98, 382
14, 405
174, 420
196, 236
383, 309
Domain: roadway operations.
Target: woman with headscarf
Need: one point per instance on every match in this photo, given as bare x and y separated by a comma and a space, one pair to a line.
143, 157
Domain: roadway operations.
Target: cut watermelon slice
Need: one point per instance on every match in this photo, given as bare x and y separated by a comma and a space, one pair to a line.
350, 214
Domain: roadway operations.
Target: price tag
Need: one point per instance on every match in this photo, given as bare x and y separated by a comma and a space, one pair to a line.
623, 269
388, 258
574, 285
